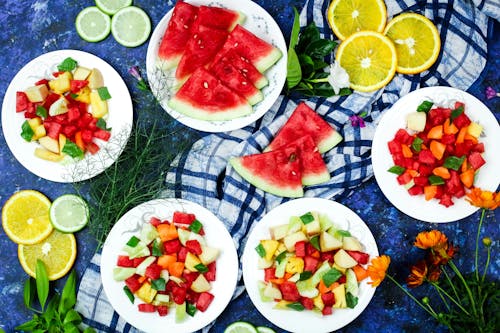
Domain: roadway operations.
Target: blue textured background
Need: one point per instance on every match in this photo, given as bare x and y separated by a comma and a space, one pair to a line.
31, 28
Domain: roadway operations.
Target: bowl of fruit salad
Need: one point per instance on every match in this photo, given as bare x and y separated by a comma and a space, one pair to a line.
304, 265
169, 264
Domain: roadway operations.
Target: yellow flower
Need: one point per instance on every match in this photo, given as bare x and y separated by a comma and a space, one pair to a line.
377, 268
483, 199
431, 239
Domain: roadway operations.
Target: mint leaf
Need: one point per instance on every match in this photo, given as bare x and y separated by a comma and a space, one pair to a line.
67, 65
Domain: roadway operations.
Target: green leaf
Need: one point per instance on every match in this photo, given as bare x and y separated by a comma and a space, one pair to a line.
305, 275
453, 162
68, 295
201, 268
417, 144
319, 64
158, 284
42, 282
261, 251
50, 315
72, 317
320, 48
315, 242
306, 65
435, 180
425, 106
29, 325
457, 112
308, 35
67, 65
101, 123
351, 300
103, 93
156, 249
129, 294
29, 292
281, 256
331, 276
89, 330
323, 89
26, 131
70, 328
191, 309
398, 170
307, 218
343, 233
195, 226
41, 111
296, 306
294, 72
72, 149
294, 35
133, 241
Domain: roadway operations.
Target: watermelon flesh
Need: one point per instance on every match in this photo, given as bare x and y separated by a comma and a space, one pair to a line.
313, 167
218, 18
245, 67
259, 52
176, 35
305, 121
232, 78
200, 50
204, 97
277, 172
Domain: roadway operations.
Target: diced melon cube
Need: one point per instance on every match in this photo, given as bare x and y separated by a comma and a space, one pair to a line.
339, 292
475, 129
270, 245
344, 260
200, 284
50, 144
327, 242
83, 95
291, 239
59, 107
62, 142
61, 84
191, 261
47, 155
278, 231
81, 73
99, 107
208, 254
34, 123
95, 79
415, 121
352, 244
37, 94
294, 265
146, 292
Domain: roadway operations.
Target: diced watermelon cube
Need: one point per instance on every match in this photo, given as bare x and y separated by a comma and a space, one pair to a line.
479, 147
22, 101
446, 200
328, 299
153, 271
183, 218
181, 255
300, 249
421, 181
133, 283
439, 192
462, 120
307, 302
327, 310
189, 277
311, 250
437, 116
425, 156
310, 263
30, 115
342, 279
92, 148
76, 85
87, 135
138, 261
155, 221
85, 119
179, 294
50, 99
69, 130
361, 257
212, 271
102, 134
448, 139
73, 114
270, 273
394, 147
42, 81
60, 118
399, 159
327, 256
425, 170
172, 246
124, 261
402, 136
476, 160
53, 129
404, 178
192, 296
194, 247
289, 291
162, 310
145, 307
416, 190
204, 301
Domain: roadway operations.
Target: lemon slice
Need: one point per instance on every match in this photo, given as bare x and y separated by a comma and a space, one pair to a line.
92, 24
417, 42
240, 327
369, 58
349, 16
25, 217
264, 329
111, 7
58, 253
130, 26
69, 213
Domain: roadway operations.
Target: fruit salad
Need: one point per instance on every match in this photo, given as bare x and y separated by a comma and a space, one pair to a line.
438, 153
169, 265
311, 264
65, 113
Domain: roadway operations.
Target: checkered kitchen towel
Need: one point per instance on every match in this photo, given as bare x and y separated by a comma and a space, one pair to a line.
202, 174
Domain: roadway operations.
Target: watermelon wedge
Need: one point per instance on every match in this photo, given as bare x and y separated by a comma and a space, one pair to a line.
245, 67
200, 50
259, 52
204, 97
218, 18
276, 172
176, 35
232, 78
303, 121
313, 167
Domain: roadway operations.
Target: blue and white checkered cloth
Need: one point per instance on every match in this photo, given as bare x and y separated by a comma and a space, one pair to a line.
203, 175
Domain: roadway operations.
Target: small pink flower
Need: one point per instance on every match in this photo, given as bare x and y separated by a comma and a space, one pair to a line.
357, 121
141, 84
491, 93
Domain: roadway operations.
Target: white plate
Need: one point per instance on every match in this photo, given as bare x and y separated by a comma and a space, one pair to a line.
417, 207
216, 235
119, 119
306, 321
259, 22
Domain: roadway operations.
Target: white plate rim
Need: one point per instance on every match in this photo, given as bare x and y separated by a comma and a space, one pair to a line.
120, 118
217, 236
416, 206
306, 321
257, 21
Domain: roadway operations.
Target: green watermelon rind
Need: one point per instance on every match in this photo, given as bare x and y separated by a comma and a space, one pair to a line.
260, 183
256, 98
264, 63
194, 112
315, 178
329, 142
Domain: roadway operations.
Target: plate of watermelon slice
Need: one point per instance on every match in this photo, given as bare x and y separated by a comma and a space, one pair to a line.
216, 66
480, 154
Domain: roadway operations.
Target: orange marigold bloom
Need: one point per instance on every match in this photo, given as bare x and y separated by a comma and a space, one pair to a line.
431, 240
417, 275
483, 199
434, 273
443, 254
377, 268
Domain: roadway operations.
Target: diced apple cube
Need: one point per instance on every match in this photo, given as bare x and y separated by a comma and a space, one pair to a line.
47, 155
200, 284
313, 227
62, 142
37, 94
183, 235
318, 302
99, 107
146, 292
81, 73
262, 263
272, 292
34, 123
475, 129
191, 261
327, 242
351, 244
344, 260
291, 239
59, 107
208, 254
50, 144
339, 292
39, 132
415, 121
95, 79
279, 231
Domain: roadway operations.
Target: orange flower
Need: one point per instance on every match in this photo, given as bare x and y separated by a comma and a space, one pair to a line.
434, 273
417, 275
433, 239
483, 199
377, 268
443, 254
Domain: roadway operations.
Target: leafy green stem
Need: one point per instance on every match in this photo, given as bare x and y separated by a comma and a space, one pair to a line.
488, 258
476, 258
451, 298
411, 296
466, 286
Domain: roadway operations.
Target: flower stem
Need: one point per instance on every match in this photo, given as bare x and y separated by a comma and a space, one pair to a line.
450, 282
441, 290
411, 296
486, 265
325, 79
443, 299
469, 292
477, 244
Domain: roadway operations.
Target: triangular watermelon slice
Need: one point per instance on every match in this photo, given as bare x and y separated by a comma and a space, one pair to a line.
204, 97
303, 121
176, 35
245, 67
276, 172
314, 170
200, 50
260, 53
232, 78
218, 18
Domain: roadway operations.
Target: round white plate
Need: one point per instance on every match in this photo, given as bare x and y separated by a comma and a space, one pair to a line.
259, 22
306, 321
417, 207
119, 119
216, 235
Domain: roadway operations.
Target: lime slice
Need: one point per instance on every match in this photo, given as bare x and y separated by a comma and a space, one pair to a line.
240, 327
264, 329
130, 26
111, 7
69, 213
92, 24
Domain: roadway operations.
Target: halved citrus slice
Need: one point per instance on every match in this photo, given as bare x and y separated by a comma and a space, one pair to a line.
349, 16
58, 253
92, 24
69, 213
369, 58
240, 327
417, 42
111, 7
25, 217
130, 26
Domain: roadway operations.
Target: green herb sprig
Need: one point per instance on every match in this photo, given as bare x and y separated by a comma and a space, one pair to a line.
58, 314
306, 61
